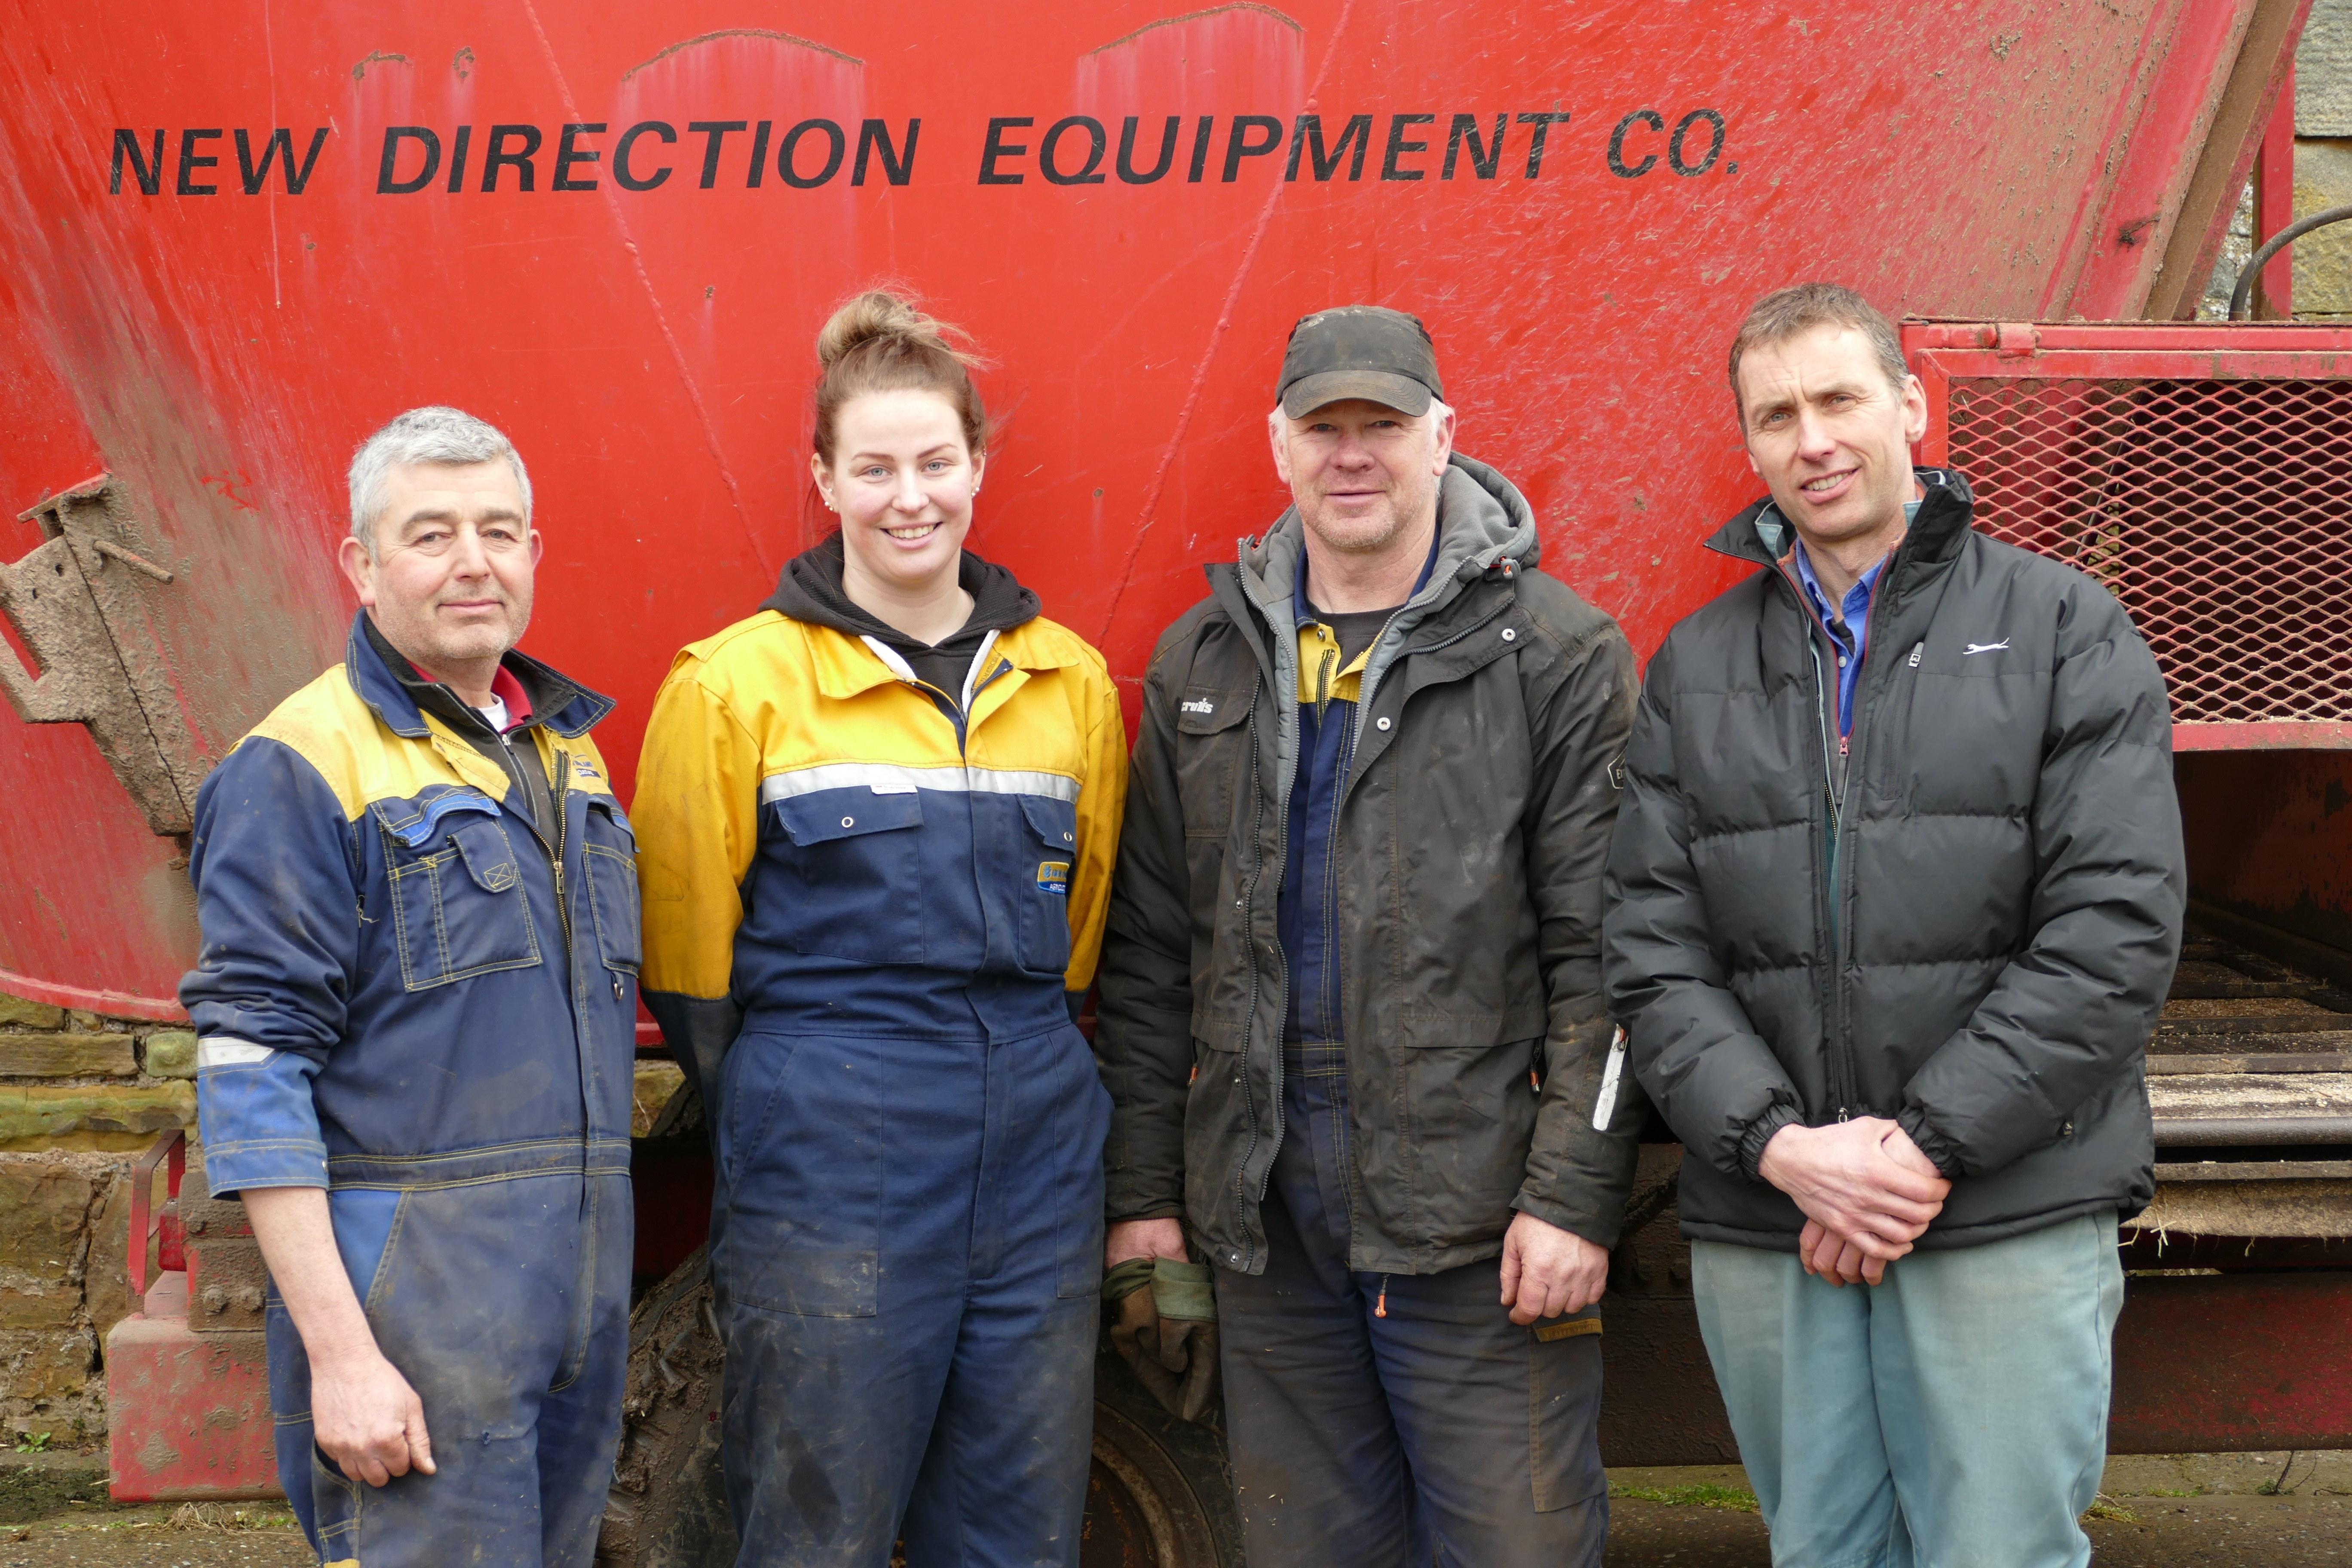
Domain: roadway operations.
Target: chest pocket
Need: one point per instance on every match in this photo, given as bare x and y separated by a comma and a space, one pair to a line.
458, 905
1049, 842
1212, 750
609, 855
852, 874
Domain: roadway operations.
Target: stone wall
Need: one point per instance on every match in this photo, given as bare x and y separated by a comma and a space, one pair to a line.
2323, 160
80, 1097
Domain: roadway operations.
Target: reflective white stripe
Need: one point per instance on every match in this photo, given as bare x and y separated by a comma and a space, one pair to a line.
1606, 1106
222, 1051
891, 778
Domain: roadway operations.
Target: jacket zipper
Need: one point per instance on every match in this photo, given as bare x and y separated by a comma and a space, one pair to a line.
1249, 1025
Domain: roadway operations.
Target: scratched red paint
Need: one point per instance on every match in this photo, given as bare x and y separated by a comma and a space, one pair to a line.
649, 349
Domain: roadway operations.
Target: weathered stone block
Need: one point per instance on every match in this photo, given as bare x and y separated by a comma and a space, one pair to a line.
16, 1013
2323, 259
44, 1212
47, 1115
38, 1364
171, 1053
105, 1276
67, 1056
2323, 71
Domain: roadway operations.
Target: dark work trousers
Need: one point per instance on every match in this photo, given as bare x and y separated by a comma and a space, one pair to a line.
504, 1300
1440, 1433
911, 1264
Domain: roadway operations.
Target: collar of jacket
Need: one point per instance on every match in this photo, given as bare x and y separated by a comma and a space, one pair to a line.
845, 665
1935, 536
560, 704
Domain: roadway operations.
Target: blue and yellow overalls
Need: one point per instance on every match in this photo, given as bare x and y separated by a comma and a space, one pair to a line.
406, 996
899, 891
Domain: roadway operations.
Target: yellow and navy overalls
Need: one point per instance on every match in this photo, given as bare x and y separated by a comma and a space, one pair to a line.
408, 996
898, 890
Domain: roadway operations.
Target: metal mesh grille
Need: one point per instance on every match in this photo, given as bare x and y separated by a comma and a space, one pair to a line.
2218, 511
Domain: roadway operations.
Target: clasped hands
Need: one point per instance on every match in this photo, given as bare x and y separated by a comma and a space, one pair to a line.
1866, 1190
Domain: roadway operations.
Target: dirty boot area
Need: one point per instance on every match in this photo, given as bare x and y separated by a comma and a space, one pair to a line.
2154, 1510
55, 1513
2186, 1510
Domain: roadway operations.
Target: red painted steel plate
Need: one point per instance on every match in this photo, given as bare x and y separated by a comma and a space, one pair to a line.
642, 326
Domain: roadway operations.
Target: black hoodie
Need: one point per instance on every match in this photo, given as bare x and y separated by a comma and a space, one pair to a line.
811, 590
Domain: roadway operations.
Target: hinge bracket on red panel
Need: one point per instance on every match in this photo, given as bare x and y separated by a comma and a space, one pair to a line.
80, 601
2018, 339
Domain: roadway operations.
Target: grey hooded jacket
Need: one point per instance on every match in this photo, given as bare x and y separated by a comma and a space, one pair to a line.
1971, 932
1472, 830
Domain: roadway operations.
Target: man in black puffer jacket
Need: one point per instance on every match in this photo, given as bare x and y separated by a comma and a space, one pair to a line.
1894, 903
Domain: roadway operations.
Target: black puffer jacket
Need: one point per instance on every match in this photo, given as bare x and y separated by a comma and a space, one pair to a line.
2009, 882
1472, 834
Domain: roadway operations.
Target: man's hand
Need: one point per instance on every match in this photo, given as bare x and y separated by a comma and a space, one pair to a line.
1548, 1272
1143, 1238
1866, 1190
366, 1418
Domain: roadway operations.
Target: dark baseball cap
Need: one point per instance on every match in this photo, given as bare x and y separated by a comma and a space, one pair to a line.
1359, 350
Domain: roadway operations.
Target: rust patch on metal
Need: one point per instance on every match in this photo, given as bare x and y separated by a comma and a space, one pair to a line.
768, 34
1293, 23
379, 57
83, 601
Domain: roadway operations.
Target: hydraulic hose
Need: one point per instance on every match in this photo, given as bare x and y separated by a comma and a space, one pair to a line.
2241, 298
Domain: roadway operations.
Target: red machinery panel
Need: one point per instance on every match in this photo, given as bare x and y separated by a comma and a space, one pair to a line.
235, 238
2203, 471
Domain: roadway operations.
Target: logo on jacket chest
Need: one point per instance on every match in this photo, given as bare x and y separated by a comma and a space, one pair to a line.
1198, 705
1054, 877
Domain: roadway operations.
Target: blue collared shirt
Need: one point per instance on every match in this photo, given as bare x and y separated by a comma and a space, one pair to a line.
1849, 623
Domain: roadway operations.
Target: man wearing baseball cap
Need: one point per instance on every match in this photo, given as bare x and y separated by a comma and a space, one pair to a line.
1350, 1015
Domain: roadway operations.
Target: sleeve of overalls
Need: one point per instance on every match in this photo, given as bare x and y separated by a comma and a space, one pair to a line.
1693, 1046
1144, 1039
1588, 1127
278, 900
1102, 799
697, 816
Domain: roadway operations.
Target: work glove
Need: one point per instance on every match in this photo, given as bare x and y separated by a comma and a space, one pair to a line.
1164, 1326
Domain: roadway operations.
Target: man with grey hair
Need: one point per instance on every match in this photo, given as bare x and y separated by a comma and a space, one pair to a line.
1894, 899
1352, 1020
417, 1004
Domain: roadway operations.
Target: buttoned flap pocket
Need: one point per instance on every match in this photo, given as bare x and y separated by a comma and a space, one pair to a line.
488, 855
1212, 750
847, 813
848, 877
1042, 881
459, 904
610, 858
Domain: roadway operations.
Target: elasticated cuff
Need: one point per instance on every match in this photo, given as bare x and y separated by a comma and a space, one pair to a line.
1759, 1132
1183, 1291
1914, 1122
1125, 1280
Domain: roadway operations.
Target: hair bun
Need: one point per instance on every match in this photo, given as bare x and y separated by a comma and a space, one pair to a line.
883, 313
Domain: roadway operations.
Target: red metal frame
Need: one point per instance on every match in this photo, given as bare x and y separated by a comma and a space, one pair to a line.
2179, 357
171, 1251
2274, 202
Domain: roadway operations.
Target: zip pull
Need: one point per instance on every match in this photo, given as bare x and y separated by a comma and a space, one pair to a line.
1916, 649
1843, 1115
1844, 741
1380, 1307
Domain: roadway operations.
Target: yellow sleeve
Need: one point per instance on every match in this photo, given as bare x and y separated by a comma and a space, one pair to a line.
1102, 802
698, 820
